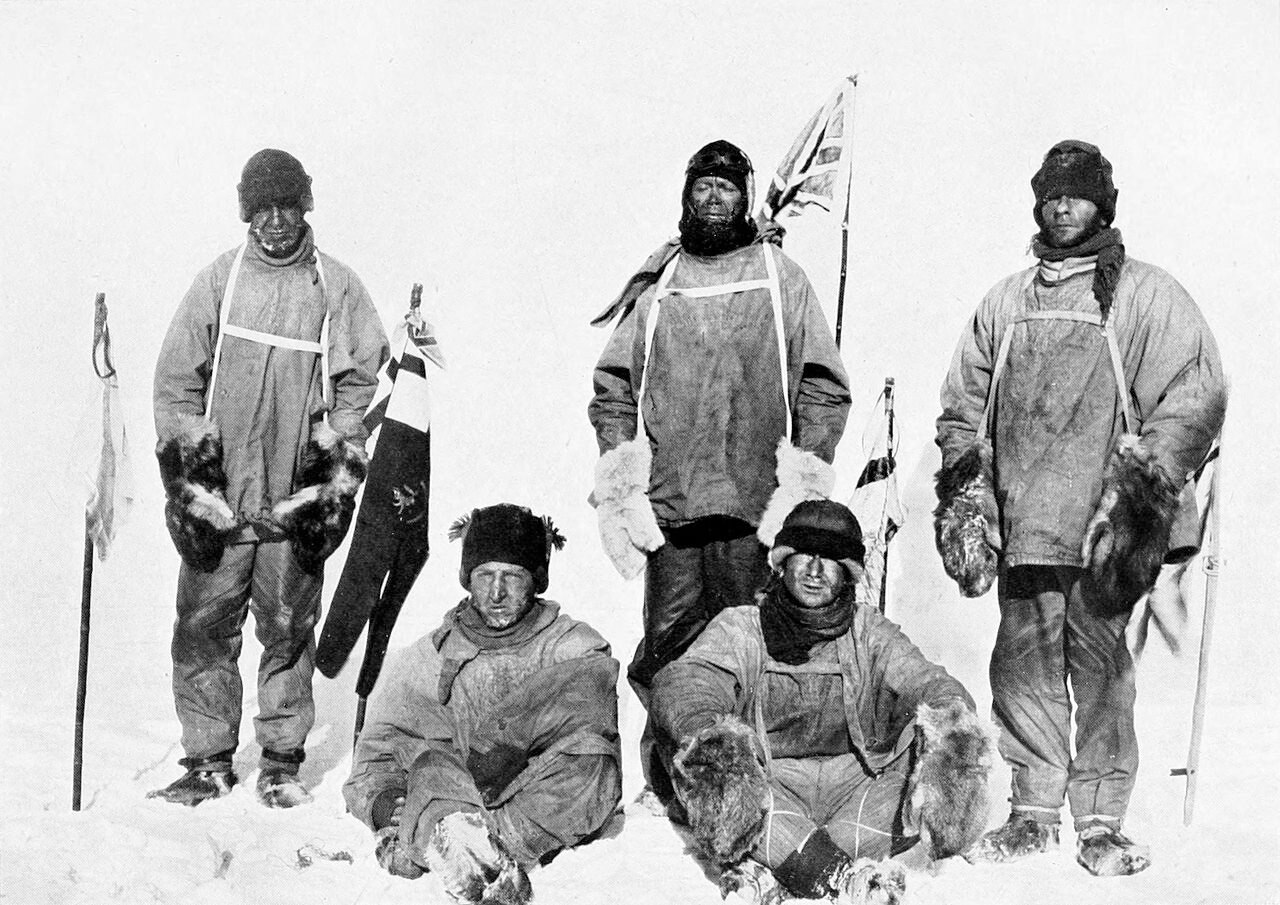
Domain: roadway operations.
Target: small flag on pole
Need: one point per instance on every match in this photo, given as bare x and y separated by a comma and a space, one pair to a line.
111, 483
816, 169
875, 501
389, 543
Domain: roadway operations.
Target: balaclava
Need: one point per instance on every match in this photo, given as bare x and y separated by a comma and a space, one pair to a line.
273, 177
725, 160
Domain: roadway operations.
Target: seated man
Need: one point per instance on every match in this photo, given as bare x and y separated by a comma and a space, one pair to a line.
492, 743
809, 739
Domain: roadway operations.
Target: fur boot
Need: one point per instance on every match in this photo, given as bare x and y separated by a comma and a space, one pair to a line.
195, 486
801, 476
868, 882
316, 516
720, 780
628, 529
950, 795
966, 522
1128, 536
472, 865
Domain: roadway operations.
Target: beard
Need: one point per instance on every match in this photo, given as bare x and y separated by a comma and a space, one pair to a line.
715, 237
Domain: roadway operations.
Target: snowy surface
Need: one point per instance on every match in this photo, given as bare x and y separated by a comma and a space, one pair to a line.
520, 160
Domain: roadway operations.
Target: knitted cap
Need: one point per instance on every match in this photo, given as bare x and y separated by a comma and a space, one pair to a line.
509, 534
273, 177
822, 527
1075, 169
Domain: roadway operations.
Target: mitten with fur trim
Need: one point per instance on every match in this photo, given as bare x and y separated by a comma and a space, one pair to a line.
1128, 536
316, 516
950, 798
473, 865
801, 476
628, 529
966, 522
719, 777
195, 486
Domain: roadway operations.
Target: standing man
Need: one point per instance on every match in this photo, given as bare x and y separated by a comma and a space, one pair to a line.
492, 743
1083, 394
260, 388
719, 401
809, 739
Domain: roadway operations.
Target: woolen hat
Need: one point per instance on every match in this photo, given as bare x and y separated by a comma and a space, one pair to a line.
1075, 169
822, 527
726, 160
273, 177
509, 534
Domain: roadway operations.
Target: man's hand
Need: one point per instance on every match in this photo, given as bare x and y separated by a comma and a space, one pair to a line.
392, 853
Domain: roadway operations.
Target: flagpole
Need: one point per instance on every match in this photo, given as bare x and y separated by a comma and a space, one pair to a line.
847, 163
888, 451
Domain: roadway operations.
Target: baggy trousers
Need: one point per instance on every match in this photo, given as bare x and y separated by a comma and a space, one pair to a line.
862, 814
1048, 638
544, 767
207, 638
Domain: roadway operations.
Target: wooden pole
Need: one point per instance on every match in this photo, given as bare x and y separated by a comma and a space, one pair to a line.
1212, 567
86, 592
848, 198
888, 451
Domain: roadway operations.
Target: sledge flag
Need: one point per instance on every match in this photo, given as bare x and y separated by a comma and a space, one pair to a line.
389, 543
875, 501
817, 166
111, 481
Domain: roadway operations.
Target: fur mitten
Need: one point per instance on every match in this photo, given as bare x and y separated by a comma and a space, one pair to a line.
801, 476
195, 486
628, 529
473, 865
1128, 536
950, 797
316, 516
966, 522
719, 777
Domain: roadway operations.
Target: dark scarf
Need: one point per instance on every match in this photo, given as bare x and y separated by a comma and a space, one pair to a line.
464, 619
1108, 245
791, 631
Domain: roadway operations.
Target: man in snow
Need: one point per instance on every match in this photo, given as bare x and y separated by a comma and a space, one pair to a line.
260, 388
720, 361
808, 739
492, 743
1083, 394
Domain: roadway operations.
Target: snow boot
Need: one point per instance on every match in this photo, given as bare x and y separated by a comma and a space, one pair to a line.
1104, 851
206, 778
1020, 836
278, 787
750, 883
472, 864
867, 882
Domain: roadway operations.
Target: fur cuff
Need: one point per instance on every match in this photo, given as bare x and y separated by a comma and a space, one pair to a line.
966, 522
1128, 536
801, 476
628, 529
950, 796
195, 486
719, 777
317, 516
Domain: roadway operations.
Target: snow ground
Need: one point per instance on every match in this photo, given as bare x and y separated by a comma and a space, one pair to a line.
520, 161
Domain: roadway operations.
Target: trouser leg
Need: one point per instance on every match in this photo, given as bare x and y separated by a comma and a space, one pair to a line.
864, 813
286, 604
206, 646
1105, 766
1030, 702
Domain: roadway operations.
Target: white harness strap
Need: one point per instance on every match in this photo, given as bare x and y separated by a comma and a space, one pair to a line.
662, 290
1113, 349
225, 328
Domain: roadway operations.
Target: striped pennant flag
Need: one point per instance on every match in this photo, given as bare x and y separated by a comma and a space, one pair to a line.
111, 479
389, 543
818, 163
875, 500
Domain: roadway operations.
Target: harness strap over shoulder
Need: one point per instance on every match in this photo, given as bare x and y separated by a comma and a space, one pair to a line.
664, 289
226, 328
1113, 350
